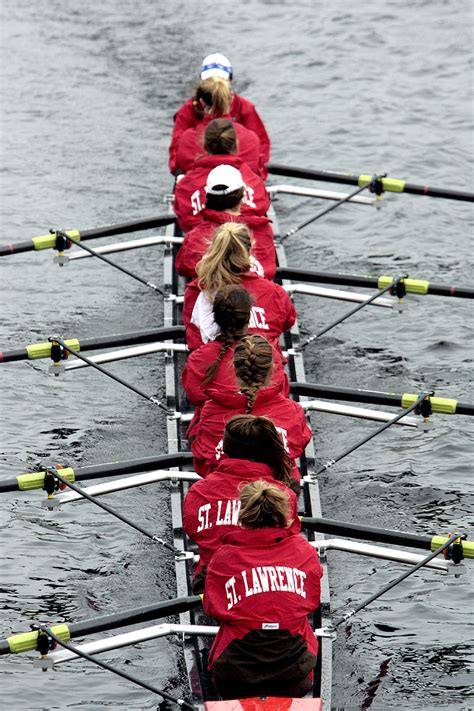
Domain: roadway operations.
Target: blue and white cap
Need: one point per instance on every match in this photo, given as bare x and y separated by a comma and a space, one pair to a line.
216, 65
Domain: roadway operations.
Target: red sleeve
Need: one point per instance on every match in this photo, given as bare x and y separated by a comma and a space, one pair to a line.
195, 243
188, 202
193, 335
250, 119
287, 308
191, 380
184, 118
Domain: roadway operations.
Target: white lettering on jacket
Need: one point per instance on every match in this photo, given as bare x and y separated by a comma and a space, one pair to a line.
196, 202
266, 578
248, 198
257, 318
227, 514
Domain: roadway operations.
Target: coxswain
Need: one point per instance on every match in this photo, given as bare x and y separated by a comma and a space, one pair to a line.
261, 585
252, 450
255, 394
240, 110
211, 365
228, 261
220, 146
225, 193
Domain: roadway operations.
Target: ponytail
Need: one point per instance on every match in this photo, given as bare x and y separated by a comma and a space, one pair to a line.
215, 93
264, 505
227, 257
220, 137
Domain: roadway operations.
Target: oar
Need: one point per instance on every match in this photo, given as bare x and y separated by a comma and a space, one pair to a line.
49, 241
382, 535
43, 350
27, 641
28, 481
443, 405
412, 286
390, 184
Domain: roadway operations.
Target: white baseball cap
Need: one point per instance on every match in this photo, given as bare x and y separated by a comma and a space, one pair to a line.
223, 179
216, 65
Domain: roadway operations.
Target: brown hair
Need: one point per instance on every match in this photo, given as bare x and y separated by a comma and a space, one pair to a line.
256, 439
264, 505
216, 94
253, 363
225, 202
227, 257
220, 137
231, 310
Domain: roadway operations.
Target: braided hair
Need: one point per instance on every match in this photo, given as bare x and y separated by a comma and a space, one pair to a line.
231, 310
253, 363
257, 439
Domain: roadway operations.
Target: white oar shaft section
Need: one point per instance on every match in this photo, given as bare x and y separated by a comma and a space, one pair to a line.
125, 353
125, 640
314, 192
126, 246
358, 412
128, 482
340, 544
311, 290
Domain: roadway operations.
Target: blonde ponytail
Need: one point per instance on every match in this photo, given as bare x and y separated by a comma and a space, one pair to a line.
227, 258
264, 505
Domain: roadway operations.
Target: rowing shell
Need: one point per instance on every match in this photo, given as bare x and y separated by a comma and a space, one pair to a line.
196, 647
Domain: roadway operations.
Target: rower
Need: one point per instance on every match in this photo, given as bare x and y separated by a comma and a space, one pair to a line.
228, 261
261, 585
210, 366
220, 146
255, 394
252, 450
192, 113
226, 191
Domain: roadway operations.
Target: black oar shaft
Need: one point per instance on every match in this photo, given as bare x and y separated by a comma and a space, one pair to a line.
132, 616
439, 404
315, 277
43, 350
147, 223
346, 179
332, 527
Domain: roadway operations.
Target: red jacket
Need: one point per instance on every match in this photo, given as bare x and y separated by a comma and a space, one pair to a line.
198, 239
262, 579
273, 311
196, 366
190, 197
241, 110
212, 505
287, 416
191, 146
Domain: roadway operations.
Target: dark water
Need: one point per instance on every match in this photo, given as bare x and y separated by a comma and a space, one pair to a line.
88, 93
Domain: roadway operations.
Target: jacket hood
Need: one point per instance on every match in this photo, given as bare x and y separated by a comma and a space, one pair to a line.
256, 536
253, 221
232, 400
